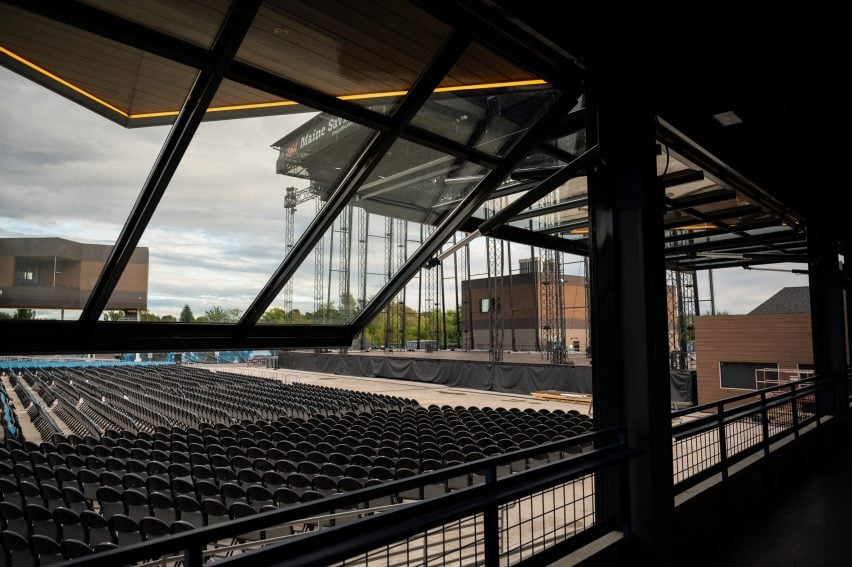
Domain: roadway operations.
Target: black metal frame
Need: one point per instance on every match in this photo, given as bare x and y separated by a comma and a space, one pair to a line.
215, 65
756, 405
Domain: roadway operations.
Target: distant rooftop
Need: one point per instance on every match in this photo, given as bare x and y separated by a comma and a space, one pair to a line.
787, 300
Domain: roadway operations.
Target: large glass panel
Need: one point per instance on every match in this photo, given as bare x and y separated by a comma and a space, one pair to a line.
194, 21
369, 52
244, 192
485, 102
394, 211
69, 176
122, 83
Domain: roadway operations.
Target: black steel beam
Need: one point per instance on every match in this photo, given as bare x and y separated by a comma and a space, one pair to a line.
230, 36
681, 177
565, 227
540, 191
694, 235
705, 198
481, 193
715, 217
529, 237
566, 205
51, 337
357, 173
735, 244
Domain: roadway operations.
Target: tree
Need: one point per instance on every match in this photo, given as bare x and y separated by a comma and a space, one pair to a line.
168, 319
186, 315
113, 315
27, 314
4, 315
274, 316
148, 316
218, 314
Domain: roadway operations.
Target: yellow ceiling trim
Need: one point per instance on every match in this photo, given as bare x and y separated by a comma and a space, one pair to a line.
220, 108
62, 81
490, 86
252, 106
699, 226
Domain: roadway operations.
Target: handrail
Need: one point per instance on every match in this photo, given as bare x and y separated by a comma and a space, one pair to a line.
744, 396
701, 446
199, 537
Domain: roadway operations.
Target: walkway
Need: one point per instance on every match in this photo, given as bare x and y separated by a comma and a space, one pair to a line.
807, 526
27, 427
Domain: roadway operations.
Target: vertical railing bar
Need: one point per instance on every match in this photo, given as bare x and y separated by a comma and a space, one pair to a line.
193, 556
723, 441
795, 404
764, 413
491, 523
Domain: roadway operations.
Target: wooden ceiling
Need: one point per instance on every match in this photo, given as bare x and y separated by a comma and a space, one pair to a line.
345, 49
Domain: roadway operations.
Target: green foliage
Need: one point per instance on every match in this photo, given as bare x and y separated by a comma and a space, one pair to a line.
168, 319
722, 313
218, 314
113, 315
148, 316
186, 315
27, 314
4, 315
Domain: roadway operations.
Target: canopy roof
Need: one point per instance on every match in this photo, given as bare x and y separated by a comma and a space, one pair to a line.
448, 114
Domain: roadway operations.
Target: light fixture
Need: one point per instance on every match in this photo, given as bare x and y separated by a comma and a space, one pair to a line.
727, 118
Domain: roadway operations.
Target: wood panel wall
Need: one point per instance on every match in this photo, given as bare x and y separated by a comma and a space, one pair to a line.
782, 338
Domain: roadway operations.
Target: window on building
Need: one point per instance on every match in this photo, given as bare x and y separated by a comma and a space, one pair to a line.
485, 305
747, 375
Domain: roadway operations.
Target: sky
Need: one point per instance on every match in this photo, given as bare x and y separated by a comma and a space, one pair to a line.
218, 233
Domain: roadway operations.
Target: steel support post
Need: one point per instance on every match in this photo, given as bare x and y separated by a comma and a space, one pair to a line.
827, 325
628, 295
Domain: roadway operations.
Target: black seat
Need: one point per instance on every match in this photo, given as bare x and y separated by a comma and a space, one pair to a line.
97, 529
13, 518
180, 526
74, 548
125, 528
135, 504
17, 550
214, 512
40, 521
46, 549
75, 499
162, 507
69, 523
189, 510
152, 527
105, 546
285, 496
109, 500
259, 497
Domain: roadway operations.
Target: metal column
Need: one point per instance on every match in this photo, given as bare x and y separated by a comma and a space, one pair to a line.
628, 293
827, 324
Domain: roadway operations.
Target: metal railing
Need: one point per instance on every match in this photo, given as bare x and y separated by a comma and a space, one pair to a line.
710, 438
564, 495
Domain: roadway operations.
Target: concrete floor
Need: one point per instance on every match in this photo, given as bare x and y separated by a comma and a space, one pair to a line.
807, 525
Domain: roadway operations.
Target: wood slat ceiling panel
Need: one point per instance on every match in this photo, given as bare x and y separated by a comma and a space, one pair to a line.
231, 93
195, 21
129, 79
344, 48
480, 65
